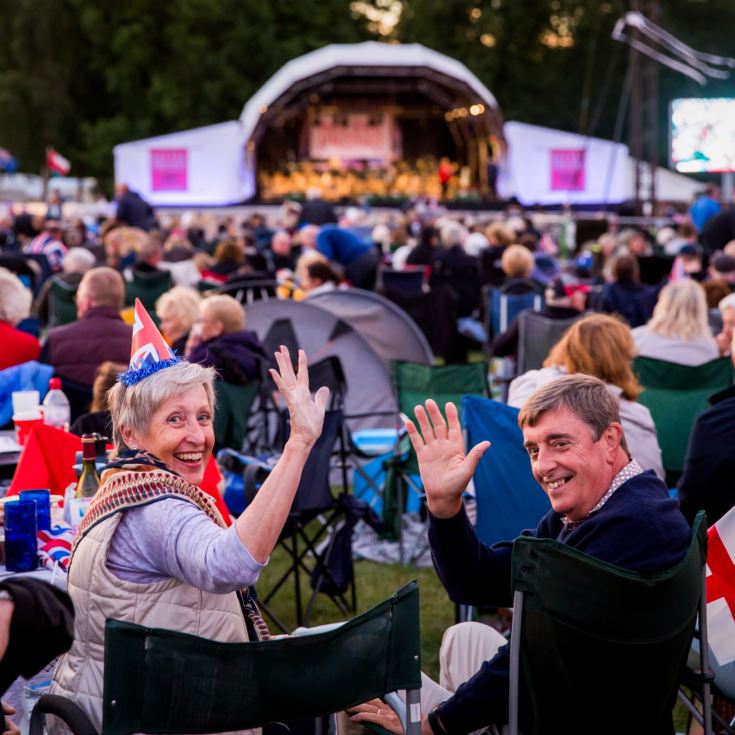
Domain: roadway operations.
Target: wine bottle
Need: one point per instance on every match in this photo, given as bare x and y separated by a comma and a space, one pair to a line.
89, 480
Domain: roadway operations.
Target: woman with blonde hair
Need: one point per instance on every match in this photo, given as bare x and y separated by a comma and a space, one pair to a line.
177, 311
601, 346
678, 331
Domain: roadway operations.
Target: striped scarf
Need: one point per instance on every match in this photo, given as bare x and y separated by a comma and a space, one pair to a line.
140, 479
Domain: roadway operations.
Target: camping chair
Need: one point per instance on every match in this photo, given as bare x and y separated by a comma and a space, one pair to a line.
79, 396
234, 408
148, 287
508, 498
410, 280
501, 308
162, 681
62, 305
676, 395
42, 268
413, 383
536, 336
249, 290
591, 655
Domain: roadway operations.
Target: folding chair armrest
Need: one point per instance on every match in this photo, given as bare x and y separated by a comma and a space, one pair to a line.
52, 704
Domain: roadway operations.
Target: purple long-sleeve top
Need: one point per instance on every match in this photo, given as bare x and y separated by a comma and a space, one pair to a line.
161, 540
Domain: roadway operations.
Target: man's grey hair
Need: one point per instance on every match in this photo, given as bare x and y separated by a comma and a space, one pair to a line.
452, 233
727, 303
79, 260
15, 298
132, 406
585, 396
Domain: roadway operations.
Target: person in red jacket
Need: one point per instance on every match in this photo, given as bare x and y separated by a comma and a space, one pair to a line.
15, 305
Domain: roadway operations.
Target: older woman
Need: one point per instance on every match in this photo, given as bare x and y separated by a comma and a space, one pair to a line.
152, 548
15, 305
678, 331
222, 342
177, 311
600, 346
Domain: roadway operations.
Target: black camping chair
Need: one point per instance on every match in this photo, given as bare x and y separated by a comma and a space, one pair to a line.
62, 304
536, 336
606, 651
163, 681
148, 287
234, 410
79, 396
410, 280
247, 291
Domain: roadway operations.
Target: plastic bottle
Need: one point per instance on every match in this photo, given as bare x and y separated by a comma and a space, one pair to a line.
56, 411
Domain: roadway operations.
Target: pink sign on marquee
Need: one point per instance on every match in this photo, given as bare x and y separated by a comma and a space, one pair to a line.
567, 169
169, 169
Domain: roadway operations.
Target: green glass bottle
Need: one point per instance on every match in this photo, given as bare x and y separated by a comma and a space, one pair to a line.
89, 480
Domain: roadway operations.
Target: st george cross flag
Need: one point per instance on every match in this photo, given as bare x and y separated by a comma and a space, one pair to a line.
56, 162
721, 588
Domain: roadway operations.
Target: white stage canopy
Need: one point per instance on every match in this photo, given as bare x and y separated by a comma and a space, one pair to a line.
199, 167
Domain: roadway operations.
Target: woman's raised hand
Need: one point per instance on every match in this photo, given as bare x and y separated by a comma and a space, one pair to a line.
444, 467
307, 413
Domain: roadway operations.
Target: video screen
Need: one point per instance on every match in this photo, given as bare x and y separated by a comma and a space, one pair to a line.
703, 135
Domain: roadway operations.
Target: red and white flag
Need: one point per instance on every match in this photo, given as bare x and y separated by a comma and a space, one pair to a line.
56, 162
721, 588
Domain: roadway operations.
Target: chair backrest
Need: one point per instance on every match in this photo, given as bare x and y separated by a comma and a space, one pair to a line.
414, 383
62, 305
508, 497
599, 648
251, 290
79, 396
536, 336
503, 308
44, 267
164, 681
676, 395
148, 287
407, 281
234, 405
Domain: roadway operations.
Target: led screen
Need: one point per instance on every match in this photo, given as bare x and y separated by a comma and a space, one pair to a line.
703, 135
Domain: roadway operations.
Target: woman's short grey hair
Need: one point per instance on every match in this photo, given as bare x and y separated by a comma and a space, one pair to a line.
15, 298
452, 233
585, 396
132, 406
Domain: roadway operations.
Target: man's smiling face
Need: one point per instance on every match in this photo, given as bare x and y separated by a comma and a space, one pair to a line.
573, 469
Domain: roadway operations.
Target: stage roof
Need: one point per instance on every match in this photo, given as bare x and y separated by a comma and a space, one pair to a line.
446, 81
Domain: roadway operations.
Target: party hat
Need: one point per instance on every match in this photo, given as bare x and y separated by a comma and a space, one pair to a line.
149, 352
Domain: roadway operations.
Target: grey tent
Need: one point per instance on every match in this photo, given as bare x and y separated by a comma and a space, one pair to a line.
321, 334
388, 329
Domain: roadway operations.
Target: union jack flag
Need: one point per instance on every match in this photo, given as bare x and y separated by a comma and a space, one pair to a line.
54, 546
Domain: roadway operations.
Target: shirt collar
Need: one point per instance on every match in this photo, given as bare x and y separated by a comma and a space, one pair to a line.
628, 472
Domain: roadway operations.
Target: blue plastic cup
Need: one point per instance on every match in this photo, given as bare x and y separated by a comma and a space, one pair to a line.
21, 542
42, 499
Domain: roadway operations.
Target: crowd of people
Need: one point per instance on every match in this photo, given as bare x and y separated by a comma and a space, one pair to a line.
593, 447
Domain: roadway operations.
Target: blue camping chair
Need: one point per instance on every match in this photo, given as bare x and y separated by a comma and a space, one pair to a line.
502, 308
508, 497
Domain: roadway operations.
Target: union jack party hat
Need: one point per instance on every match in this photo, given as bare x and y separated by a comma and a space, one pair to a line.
149, 352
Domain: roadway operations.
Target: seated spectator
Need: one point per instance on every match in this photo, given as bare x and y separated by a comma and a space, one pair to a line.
283, 253
319, 277
678, 330
688, 264
425, 250
177, 311
77, 262
625, 295
601, 346
220, 340
229, 255
722, 268
358, 258
499, 237
98, 420
15, 304
148, 257
517, 264
725, 337
76, 350
49, 242
454, 268
557, 305
715, 291
707, 481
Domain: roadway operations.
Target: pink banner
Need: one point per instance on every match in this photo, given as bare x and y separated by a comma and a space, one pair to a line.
169, 169
567, 169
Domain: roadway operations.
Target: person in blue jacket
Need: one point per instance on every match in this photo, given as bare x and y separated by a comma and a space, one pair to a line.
602, 503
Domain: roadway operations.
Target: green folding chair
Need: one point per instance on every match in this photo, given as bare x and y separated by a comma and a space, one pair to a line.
148, 287
162, 681
414, 383
675, 395
599, 649
234, 408
62, 305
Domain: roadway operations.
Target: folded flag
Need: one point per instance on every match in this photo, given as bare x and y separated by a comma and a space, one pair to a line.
54, 546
